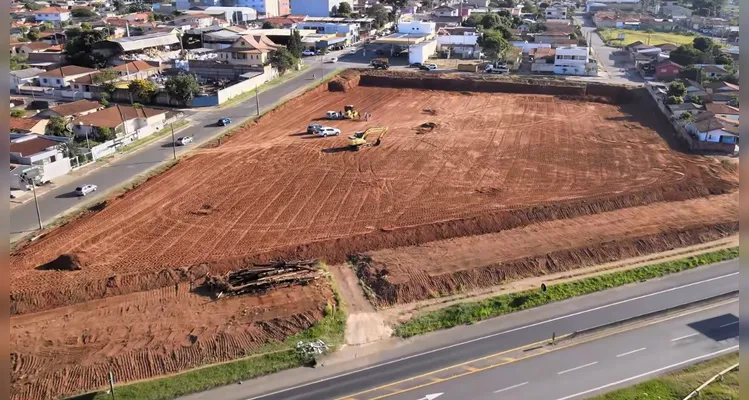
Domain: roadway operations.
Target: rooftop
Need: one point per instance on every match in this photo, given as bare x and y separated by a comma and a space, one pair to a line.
113, 116
134, 66
31, 146
68, 70
26, 73
75, 108
718, 108
22, 124
52, 10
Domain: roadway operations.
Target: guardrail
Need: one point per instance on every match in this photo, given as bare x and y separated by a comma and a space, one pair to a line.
717, 376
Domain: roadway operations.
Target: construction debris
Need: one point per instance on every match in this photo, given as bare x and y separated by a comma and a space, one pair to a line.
261, 278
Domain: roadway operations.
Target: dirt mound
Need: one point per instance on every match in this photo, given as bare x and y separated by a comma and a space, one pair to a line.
344, 82
426, 127
391, 289
67, 262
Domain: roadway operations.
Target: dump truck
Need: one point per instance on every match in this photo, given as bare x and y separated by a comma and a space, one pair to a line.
467, 67
380, 63
359, 139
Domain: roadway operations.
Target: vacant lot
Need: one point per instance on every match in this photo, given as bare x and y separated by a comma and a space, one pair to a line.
654, 38
533, 169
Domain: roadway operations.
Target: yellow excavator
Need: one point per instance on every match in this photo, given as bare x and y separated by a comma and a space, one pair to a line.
359, 139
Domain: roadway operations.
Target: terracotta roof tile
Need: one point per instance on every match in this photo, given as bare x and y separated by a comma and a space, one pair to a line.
75, 108
22, 124
112, 117
32, 146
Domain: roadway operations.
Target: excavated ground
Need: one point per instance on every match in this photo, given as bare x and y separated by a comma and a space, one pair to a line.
462, 163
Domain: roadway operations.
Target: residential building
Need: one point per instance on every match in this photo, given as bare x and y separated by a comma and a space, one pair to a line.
286, 21
32, 47
54, 37
459, 42
165, 40
713, 71
24, 77
723, 110
417, 27
55, 15
200, 20
137, 69
573, 60
316, 8
268, 8
284, 7
61, 77
72, 110
251, 50
349, 31
556, 11
27, 125
707, 127
477, 3
694, 90
678, 110
715, 87
543, 59
667, 70
122, 120
446, 11
623, 5
234, 15
666, 47
676, 11
40, 151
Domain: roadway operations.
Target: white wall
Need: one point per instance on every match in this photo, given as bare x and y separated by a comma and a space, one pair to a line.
246, 85
417, 27
527, 46
55, 169
420, 53
468, 40
52, 17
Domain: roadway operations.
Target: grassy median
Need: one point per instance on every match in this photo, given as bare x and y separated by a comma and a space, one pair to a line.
679, 384
468, 313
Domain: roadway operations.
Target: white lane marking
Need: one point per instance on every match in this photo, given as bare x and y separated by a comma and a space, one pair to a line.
729, 324
511, 387
631, 352
685, 336
576, 368
397, 360
655, 371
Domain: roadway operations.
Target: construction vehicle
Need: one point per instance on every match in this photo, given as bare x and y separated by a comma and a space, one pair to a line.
380, 63
349, 112
359, 139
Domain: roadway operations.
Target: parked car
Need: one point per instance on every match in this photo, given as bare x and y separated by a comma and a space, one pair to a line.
326, 131
352, 51
308, 53
85, 189
428, 67
332, 60
223, 122
184, 140
415, 65
312, 128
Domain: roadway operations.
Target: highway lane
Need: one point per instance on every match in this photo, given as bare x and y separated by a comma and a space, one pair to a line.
23, 217
595, 367
427, 353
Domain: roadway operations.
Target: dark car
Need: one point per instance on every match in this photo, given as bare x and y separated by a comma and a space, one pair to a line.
415, 65
224, 121
423, 68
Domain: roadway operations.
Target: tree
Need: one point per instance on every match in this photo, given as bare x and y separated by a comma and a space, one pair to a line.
530, 7
677, 89
685, 54
282, 60
270, 25
80, 49
333, 11
105, 75
86, 26
471, 22
344, 9
32, 6
694, 73
33, 35
57, 126
295, 45
734, 101
494, 45
397, 7
83, 13
380, 15
18, 62
708, 8
573, 35
696, 99
17, 113
723, 59
687, 116
183, 87
103, 134
702, 43
543, 5
490, 21
675, 100
142, 88
47, 26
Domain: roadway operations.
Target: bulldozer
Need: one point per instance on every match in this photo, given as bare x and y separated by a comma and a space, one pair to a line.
349, 112
359, 139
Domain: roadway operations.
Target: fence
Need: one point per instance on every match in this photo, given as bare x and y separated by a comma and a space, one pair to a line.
111, 146
719, 375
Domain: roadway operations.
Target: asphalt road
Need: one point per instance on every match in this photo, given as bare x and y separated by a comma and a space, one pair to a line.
23, 218
617, 66
430, 352
596, 367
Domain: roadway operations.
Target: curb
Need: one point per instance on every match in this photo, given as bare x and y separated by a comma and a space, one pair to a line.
652, 314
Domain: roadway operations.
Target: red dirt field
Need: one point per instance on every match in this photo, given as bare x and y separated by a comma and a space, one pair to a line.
146, 334
407, 274
493, 162
570, 181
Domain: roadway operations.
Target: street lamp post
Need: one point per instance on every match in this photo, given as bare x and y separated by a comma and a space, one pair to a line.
174, 142
80, 127
36, 203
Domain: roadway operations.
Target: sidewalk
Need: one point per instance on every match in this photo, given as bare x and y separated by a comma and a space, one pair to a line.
24, 196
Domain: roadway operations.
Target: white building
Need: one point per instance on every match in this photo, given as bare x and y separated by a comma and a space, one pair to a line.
24, 77
572, 60
446, 11
316, 8
556, 11
63, 76
459, 41
270, 8
350, 30
420, 27
55, 15
420, 53
35, 150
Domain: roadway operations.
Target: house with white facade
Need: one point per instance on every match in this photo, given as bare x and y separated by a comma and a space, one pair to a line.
24, 77
63, 76
417, 27
446, 11
198, 20
574, 60
251, 50
36, 151
122, 120
556, 11
350, 32
55, 15
459, 42
708, 127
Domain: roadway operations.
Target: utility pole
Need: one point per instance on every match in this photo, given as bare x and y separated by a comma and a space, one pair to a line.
257, 101
36, 202
174, 142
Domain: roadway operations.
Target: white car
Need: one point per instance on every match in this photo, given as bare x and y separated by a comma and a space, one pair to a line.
352, 51
431, 66
85, 189
326, 131
308, 53
332, 60
184, 141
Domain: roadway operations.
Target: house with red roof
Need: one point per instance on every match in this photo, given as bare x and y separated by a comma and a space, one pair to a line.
667, 70
55, 15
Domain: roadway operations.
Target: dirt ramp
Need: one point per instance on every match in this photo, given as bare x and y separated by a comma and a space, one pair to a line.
467, 85
346, 80
67, 262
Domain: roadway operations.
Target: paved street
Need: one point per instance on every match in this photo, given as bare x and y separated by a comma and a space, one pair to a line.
615, 64
23, 218
431, 352
599, 366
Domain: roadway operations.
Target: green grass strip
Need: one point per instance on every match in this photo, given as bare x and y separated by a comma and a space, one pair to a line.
677, 385
468, 313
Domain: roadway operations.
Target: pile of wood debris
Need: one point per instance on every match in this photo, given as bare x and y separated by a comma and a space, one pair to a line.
261, 278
